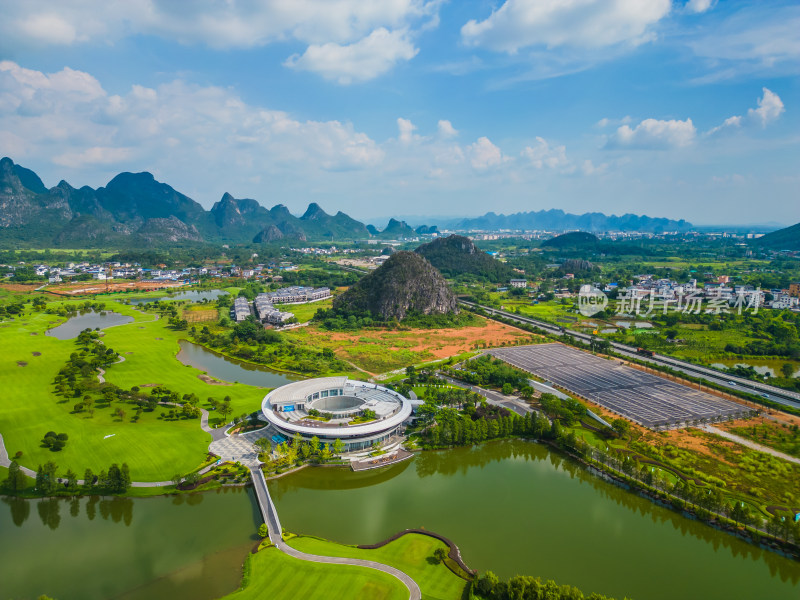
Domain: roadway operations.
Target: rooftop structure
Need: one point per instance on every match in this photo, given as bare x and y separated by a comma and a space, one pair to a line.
296, 294
289, 409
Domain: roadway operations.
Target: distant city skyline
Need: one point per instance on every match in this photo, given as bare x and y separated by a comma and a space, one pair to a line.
684, 110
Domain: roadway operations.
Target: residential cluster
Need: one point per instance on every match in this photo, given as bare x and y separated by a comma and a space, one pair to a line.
718, 295
264, 304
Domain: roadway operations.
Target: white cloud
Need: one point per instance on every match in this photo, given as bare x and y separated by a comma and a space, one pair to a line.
542, 155
93, 156
588, 168
367, 37
365, 59
699, 6
446, 129
769, 108
755, 41
655, 134
406, 129
48, 29
83, 126
578, 23
484, 154
217, 23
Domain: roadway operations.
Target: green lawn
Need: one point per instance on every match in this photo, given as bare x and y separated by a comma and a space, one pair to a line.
276, 576
304, 312
154, 449
412, 554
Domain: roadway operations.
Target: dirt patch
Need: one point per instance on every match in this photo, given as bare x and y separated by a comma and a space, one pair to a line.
22, 363
437, 343
211, 381
149, 385
36, 353
129, 353
34, 333
205, 315
159, 339
688, 439
73, 289
20, 287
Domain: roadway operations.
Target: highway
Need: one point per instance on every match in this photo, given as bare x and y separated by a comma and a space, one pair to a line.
732, 382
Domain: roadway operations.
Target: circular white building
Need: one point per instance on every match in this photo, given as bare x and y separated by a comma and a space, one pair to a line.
287, 409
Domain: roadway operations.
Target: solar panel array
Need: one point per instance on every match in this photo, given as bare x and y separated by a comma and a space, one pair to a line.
644, 398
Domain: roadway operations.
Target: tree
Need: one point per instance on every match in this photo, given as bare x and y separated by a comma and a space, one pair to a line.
263, 531
787, 369
315, 445
177, 479
325, 453
46, 480
225, 409
508, 389
72, 481
193, 478
440, 554
338, 446
621, 427
88, 479
15, 481
263, 444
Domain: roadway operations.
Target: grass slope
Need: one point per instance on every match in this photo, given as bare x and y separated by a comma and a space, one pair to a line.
154, 449
276, 576
412, 554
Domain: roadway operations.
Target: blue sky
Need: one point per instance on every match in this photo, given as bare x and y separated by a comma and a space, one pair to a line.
417, 107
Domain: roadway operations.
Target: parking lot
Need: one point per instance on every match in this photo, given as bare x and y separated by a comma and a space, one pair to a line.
641, 397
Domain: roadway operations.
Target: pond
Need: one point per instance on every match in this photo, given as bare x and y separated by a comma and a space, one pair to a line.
88, 319
514, 507
229, 369
771, 367
635, 325
190, 295
188, 547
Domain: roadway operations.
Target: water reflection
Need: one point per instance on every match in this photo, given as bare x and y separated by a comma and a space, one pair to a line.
492, 498
191, 296
229, 369
87, 320
20, 509
49, 512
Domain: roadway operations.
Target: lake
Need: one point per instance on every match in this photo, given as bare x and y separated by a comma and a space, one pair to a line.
190, 295
514, 507
88, 320
229, 369
187, 547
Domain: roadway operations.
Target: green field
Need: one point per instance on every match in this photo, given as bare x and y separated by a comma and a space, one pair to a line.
276, 576
412, 554
154, 449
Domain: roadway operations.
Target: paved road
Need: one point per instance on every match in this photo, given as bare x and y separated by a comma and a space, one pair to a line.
745, 442
270, 515
492, 397
239, 447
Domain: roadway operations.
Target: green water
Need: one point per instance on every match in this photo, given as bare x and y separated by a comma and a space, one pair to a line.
230, 369
516, 508
87, 320
188, 547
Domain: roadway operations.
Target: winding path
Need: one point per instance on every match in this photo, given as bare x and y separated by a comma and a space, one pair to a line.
270, 515
750, 444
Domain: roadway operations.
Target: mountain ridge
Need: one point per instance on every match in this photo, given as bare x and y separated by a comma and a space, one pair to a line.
136, 208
